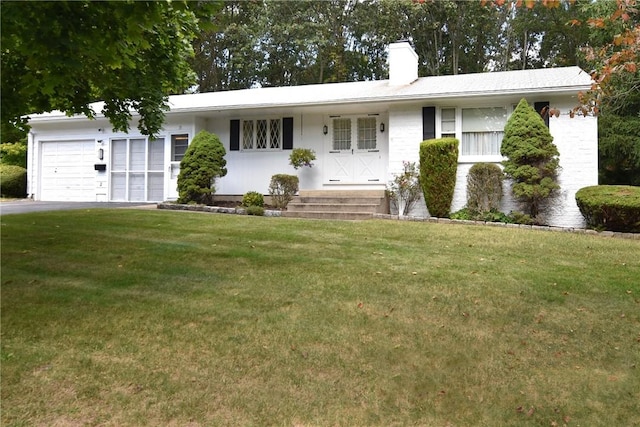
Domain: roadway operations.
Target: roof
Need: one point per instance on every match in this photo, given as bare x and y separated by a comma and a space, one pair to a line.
547, 80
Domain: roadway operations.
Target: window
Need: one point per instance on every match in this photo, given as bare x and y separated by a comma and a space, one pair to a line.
341, 134
365, 129
179, 144
367, 133
261, 134
482, 131
448, 122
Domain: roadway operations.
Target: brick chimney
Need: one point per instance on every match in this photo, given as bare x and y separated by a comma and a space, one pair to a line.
403, 63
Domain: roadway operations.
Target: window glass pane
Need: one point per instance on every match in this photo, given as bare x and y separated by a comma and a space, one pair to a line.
261, 134
179, 144
118, 154
137, 154
156, 154
483, 119
247, 135
341, 134
367, 133
274, 130
448, 121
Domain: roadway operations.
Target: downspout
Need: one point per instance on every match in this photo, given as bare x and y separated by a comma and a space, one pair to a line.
30, 166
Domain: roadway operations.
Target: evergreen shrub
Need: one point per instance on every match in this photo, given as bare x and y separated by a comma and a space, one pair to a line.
203, 162
252, 198
282, 189
610, 207
13, 181
484, 187
438, 166
532, 160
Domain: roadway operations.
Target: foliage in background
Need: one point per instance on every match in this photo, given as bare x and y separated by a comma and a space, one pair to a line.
404, 190
202, 163
484, 187
301, 157
65, 55
438, 166
13, 153
282, 189
252, 198
532, 160
13, 181
610, 207
619, 149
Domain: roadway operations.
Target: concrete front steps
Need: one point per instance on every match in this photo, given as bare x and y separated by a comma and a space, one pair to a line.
338, 204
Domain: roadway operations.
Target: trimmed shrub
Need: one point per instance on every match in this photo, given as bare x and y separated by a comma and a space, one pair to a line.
13, 181
203, 162
255, 210
484, 187
282, 189
532, 160
301, 157
252, 198
610, 207
438, 166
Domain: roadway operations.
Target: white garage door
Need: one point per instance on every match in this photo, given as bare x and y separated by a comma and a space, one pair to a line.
67, 172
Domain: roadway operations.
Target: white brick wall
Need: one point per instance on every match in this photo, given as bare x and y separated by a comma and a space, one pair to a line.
576, 139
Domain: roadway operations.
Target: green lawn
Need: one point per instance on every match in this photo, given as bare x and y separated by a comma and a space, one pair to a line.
137, 317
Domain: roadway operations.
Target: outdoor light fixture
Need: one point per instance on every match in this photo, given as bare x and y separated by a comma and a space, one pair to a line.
101, 154
325, 129
382, 127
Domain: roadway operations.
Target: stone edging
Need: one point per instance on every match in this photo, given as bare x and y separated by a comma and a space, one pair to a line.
276, 213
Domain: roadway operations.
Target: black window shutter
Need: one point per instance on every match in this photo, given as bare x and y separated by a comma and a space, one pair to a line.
287, 133
428, 123
234, 143
539, 107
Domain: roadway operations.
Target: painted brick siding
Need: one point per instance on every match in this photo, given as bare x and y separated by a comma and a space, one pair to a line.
576, 139
405, 136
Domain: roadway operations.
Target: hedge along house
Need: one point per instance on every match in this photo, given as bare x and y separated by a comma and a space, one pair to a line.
361, 133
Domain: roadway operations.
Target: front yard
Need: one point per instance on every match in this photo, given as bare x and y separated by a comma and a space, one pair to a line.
127, 317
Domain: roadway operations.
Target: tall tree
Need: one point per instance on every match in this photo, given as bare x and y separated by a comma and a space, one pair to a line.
64, 55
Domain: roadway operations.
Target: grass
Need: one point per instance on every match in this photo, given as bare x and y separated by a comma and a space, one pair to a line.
126, 317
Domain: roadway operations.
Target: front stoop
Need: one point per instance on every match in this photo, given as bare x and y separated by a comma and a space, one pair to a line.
337, 204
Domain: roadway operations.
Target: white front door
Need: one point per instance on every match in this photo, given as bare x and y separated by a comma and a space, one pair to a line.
178, 147
354, 155
137, 170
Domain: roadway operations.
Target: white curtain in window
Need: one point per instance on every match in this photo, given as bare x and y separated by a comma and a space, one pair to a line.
481, 143
482, 131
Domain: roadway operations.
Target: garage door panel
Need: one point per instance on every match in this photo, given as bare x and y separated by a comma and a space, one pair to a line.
66, 172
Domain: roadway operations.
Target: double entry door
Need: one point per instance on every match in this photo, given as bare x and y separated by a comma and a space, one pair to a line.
354, 154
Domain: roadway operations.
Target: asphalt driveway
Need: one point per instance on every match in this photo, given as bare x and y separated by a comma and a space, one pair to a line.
28, 205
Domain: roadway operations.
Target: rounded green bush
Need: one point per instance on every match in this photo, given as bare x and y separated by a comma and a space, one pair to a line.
484, 187
282, 188
13, 181
252, 198
202, 163
610, 207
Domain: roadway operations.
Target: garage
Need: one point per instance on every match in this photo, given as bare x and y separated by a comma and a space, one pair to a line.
67, 172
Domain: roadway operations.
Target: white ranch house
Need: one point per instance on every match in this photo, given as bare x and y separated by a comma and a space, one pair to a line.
361, 133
